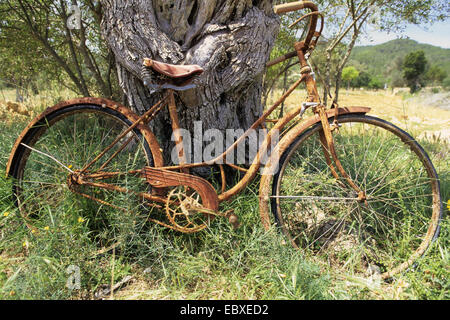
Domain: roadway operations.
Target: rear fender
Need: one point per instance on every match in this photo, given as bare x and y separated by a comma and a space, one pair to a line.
104, 103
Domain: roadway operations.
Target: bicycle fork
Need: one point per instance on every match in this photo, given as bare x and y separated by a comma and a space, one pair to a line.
329, 148
326, 134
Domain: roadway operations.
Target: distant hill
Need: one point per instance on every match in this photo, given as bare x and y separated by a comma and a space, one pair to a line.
380, 59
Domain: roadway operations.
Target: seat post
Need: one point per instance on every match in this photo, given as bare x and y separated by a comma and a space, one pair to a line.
175, 129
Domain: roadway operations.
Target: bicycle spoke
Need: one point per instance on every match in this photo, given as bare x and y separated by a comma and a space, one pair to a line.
64, 146
47, 155
326, 217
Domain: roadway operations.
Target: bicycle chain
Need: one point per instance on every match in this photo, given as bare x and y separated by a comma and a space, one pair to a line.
227, 214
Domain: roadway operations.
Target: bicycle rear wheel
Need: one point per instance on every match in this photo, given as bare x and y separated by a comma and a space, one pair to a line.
65, 141
323, 216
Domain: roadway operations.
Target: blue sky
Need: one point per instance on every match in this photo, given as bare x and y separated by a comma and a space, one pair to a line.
438, 35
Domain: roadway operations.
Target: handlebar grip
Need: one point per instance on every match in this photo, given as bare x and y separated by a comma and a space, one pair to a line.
294, 6
288, 7
298, 5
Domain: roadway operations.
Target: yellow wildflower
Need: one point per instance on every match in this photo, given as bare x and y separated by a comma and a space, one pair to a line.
46, 228
402, 284
80, 220
70, 166
6, 214
12, 293
448, 204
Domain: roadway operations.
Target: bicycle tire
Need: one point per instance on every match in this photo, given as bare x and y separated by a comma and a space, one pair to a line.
57, 135
368, 237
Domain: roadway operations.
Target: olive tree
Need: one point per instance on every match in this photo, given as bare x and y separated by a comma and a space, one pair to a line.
230, 39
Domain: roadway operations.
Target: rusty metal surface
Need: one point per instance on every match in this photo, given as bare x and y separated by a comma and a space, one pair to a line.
291, 135
281, 59
105, 103
176, 133
293, 6
160, 179
182, 204
312, 36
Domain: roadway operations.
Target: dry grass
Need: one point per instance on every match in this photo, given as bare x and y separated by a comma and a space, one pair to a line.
12, 112
411, 114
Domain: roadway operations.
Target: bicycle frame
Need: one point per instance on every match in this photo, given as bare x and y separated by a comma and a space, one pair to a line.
315, 204
220, 160
251, 172
302, 49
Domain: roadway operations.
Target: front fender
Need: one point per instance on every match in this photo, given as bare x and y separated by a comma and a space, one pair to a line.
105, 103
285, 142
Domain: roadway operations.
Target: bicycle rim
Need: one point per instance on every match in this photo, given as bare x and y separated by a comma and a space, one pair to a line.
322, 215
66, 140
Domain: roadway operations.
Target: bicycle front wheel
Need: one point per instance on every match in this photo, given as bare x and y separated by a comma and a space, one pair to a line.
323, 215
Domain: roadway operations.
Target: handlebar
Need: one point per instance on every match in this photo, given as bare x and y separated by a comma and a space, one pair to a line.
299, 5
294, 6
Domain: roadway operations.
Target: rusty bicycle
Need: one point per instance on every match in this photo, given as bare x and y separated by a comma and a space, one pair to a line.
353, 191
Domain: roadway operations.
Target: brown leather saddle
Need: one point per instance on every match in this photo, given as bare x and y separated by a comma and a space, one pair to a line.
169, 76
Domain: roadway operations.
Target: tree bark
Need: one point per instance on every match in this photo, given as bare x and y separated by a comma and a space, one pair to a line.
230, 39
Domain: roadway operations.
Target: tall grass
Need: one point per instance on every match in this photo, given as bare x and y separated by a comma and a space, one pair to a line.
221, 262
218, 263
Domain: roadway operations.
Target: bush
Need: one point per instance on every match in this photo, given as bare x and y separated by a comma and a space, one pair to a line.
362, 81
446, 83
435, 90
376, 84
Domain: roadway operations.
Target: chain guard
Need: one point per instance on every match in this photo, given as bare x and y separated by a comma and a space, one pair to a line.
188, 206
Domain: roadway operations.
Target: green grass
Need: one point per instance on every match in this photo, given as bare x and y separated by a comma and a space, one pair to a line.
221, 263
218, 263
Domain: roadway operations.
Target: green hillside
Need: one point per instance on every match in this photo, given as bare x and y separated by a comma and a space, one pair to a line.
380, 60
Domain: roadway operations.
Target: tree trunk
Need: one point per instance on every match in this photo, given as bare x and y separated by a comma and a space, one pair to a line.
230, 39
